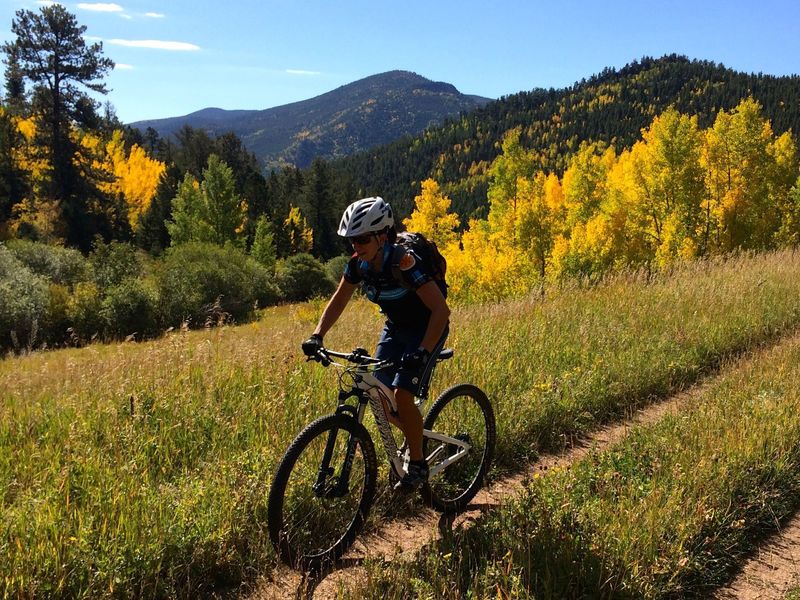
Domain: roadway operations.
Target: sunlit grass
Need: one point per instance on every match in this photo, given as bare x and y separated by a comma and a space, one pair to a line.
668, 512
143, 469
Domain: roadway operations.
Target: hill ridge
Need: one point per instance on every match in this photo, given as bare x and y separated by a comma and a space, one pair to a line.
369, 112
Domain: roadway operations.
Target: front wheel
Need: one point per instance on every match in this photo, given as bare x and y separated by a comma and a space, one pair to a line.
465, 414
322, 492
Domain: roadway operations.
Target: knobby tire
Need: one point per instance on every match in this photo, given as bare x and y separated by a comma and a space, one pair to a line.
307, 529
462, 411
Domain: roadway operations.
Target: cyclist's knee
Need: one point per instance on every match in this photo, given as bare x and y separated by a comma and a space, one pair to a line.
404, 399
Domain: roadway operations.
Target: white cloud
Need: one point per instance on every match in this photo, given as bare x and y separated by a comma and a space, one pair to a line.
123, 66
301, 72
155, 15
156, 44
101, 6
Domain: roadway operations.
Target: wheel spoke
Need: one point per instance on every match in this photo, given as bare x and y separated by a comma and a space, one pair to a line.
462, 413
319, 516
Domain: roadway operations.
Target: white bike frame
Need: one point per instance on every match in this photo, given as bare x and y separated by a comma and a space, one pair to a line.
365, 380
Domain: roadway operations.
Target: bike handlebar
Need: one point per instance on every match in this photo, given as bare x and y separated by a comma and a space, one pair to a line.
358, 356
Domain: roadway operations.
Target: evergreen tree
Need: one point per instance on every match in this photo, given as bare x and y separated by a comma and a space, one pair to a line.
50, 52
210, 211
152, 234
263, 249
320, 210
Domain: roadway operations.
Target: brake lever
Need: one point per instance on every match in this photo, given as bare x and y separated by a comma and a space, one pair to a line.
322, 358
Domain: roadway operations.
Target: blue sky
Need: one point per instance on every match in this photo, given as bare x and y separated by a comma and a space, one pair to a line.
177, 56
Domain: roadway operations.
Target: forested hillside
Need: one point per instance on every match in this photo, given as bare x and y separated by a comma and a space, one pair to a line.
611, 107
107, 231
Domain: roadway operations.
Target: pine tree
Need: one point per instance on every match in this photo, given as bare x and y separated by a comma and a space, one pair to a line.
50, 52
210, 211
263, 249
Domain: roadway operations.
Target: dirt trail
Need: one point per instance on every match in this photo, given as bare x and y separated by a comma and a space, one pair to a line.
402, 538
771, 571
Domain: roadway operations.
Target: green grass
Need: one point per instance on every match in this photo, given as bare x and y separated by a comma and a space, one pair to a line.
143, 469
668, 512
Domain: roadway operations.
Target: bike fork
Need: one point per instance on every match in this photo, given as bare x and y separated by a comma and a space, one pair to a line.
341, 483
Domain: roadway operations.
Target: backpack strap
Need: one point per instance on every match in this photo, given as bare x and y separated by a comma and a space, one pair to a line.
398, 252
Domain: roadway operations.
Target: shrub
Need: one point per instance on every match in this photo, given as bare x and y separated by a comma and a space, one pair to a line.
23, 302
64, 266
114, 262
56, 320
335, 267
83, 311
301, 277
130, 308
205, 283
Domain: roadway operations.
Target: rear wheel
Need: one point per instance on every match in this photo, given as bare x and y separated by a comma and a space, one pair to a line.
316, 510
462, 412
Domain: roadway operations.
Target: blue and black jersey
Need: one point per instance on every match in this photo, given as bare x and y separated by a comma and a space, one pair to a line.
398, 300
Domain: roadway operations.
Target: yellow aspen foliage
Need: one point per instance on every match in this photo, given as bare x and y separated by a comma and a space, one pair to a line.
554, 197
740, 162
584, 182
634, 242
479, 271
26, 156
431, 217
512, 165
134, 177
534, 224
675, 245
139, 178
301, 236
40, 216
786, 189
668, 181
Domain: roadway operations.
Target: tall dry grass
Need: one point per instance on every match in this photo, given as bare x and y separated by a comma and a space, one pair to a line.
666, 513
142, 469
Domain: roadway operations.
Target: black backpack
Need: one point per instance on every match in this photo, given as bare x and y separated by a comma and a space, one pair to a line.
432, 260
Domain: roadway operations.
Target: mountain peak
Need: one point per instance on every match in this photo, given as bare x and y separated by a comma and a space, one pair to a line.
368, 112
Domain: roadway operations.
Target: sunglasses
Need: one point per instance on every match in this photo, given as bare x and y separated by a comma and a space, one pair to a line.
361, 240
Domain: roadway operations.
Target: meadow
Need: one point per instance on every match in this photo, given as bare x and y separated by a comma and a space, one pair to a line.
668, 512
142, 469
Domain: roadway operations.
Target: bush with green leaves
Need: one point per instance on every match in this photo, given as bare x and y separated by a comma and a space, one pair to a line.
302, 276
83, 312
23, 302
335, 267
114, 262
56, 323
205, 283
64, 266
130, 308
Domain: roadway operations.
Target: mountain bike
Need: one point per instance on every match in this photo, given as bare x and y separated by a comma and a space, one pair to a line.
325, 484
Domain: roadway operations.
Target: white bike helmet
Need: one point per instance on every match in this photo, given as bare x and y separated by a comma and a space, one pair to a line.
368, 215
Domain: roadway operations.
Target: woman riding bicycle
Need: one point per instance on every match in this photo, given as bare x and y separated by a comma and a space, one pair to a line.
417, 315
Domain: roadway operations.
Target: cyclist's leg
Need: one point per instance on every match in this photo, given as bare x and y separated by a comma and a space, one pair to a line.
406, 385
389, 348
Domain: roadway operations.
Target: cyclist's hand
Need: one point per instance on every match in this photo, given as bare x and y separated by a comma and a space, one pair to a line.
312, 345
414, 360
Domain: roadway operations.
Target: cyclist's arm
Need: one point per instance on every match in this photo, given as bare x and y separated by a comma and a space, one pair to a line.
335, 306
432, 297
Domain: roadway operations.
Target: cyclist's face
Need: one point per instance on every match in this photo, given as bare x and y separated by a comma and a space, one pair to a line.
366, 246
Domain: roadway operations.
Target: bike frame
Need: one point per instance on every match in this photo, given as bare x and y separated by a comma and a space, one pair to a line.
369, 390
